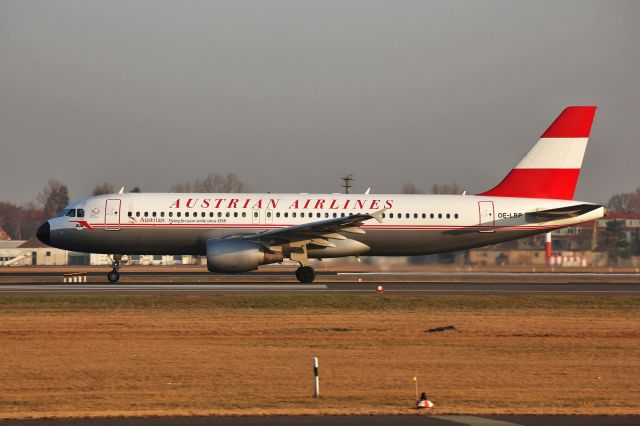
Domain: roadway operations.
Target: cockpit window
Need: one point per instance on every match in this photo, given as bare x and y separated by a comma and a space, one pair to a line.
69, 212
80, 213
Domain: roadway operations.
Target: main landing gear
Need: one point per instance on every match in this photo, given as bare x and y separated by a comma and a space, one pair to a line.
114, 275
305, 274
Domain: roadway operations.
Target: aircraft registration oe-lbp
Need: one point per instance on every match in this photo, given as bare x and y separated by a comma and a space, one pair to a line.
239, 232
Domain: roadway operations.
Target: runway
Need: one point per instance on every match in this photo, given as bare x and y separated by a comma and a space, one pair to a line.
411, 420
355, 288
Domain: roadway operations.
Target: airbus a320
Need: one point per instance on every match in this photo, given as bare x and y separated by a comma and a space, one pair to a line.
239, 232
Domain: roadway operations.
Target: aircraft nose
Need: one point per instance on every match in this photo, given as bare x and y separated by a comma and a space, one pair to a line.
44, 233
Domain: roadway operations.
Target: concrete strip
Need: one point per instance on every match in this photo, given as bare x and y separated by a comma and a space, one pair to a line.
167, 287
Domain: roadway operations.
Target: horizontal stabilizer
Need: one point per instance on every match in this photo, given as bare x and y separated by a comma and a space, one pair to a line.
563, 212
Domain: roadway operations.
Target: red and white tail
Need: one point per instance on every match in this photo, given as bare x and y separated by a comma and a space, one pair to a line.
552, 166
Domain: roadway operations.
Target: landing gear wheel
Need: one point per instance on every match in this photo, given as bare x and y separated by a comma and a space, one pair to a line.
113, 276
305, 274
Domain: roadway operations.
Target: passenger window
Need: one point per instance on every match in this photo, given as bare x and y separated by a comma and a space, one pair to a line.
255, 214
137, 214
170, 214
235, 214
161, 214
277, 214
439, 215
153, 214
424, 215
178, 214
341, 214
80, 213
219, 214
415, 215
146, 214
407, 215
186, 214
335, 215
244, 214
130, 214
268, 214
203, 214
210, 214
431, 215
326, 215
228, 214
318, 214
391, 215
455, 215
448, 216
71, 213
293, 214
286, 214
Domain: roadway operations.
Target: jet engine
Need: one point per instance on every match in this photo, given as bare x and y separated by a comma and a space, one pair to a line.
238, 256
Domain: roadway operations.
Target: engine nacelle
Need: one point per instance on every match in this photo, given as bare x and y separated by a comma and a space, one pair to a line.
238, 256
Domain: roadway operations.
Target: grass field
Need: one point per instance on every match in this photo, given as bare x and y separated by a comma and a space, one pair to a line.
164, 355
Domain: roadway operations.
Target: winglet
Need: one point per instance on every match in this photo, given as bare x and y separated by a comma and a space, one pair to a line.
378, 215
367, 191
121, 190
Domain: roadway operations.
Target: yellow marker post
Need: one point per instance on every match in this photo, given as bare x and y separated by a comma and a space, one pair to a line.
415, 380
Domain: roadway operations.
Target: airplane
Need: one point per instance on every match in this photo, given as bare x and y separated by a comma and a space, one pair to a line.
239, 232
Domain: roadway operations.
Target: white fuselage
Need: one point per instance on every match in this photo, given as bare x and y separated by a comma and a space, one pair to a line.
169, 223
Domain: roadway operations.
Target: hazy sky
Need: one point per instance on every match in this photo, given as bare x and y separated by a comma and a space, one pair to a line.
291, 94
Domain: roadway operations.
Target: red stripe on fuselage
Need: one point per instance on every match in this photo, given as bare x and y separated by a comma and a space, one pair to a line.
83, 223
559, 184
367, 227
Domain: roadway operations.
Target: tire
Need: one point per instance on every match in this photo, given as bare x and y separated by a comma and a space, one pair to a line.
305, 274
113, 276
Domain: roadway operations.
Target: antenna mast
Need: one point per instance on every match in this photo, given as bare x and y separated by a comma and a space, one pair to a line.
347, 179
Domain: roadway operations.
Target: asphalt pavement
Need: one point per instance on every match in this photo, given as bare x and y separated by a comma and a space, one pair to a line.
369, 286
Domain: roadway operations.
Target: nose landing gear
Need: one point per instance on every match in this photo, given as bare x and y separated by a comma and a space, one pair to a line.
114, 275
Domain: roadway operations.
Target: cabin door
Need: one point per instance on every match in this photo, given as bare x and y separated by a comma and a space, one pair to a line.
112, 215
487, 221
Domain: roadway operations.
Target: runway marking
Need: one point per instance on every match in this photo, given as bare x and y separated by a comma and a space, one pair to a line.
475, 421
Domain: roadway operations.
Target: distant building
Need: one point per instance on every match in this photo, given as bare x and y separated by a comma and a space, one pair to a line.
31, 252
587, 235
164, 260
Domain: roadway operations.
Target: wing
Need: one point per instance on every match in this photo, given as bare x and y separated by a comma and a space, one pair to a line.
317, 233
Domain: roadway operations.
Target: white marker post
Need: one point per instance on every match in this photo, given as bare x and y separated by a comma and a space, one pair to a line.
316, 380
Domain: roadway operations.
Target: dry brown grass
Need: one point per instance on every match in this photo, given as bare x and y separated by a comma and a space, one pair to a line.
144, 355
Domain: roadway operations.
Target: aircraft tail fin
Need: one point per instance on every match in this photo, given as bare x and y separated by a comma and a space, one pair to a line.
552, 166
